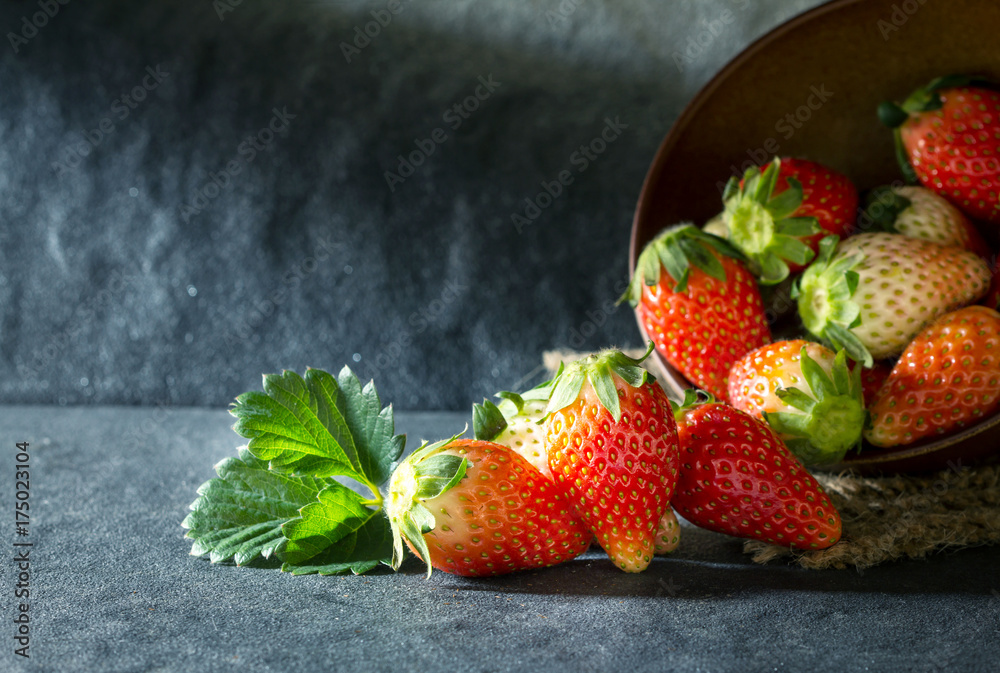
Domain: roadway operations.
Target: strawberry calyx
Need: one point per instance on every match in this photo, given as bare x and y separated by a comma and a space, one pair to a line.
924, 99
600, 370
825, 292
831, 412
693, 397
763, 226
677, 249
425, 474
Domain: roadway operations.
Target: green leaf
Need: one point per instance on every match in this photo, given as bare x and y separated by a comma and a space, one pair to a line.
239, 515
320, 427
798, 226
792, 249
488, 421
567, 389
359, 552
817, 379
841, 337
699, 257
337, 512
284, 427
371, 426
787, 202
794, 397
439, 474
764, 189
787, 423
601, 379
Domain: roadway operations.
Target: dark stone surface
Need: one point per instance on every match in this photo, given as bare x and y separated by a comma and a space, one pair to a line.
113, 588
112, 292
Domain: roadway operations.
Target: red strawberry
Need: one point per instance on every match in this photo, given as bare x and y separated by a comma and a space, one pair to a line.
805, 393
699, 305
872, 379
477, 508
738, 478
668, 533
946, 379
948, 138
612, 445
778, 217
918, 212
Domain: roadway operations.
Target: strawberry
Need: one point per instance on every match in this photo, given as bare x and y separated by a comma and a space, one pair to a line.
992, 298
477, 508
872, 293
612, 445
946, 379
777, 217
698, 303
948, 137
515, 423
872, 379
918, 212
806, 394
668, 533
737, 477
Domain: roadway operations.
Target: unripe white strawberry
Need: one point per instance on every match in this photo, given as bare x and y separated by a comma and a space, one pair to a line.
918, 212
514, 423
872, 293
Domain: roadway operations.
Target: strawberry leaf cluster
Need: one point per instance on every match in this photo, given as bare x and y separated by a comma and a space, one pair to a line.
305, 488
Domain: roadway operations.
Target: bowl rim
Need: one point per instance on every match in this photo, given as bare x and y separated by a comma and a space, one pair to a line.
874, 457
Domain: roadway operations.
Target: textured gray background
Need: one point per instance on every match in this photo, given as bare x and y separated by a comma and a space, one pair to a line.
115, 590
108, 294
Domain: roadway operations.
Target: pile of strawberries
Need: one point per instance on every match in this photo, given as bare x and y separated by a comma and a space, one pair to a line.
896, 351
600, 453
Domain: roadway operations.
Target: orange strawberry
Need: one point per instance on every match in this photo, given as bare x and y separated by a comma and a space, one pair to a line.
737, 477
476, 508
612, 446
806, 393
698, 303
946, 379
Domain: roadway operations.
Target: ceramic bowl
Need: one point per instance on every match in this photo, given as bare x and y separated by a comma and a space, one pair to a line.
810, 88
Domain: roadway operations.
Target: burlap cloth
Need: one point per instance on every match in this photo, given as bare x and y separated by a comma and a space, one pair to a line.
892, 517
